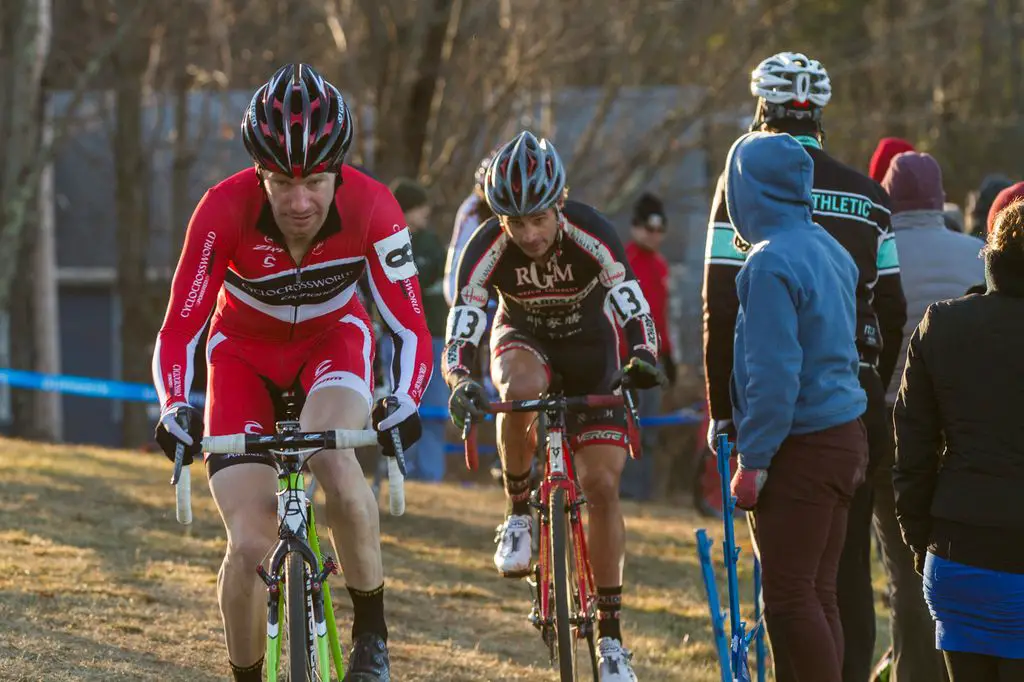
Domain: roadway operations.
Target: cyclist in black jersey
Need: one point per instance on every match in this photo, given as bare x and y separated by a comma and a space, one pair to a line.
792, 91
569, 305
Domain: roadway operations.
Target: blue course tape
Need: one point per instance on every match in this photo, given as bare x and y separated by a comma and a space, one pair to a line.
85, 386
123, 390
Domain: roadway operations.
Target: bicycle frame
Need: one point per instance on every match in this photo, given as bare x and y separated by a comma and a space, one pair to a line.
297, 536
560, 473
297, 533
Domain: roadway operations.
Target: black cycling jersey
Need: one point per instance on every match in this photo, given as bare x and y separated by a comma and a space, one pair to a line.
854, 209
584, 290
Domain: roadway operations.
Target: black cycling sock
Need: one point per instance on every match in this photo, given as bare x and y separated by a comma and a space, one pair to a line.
251, 673
518, 489
368, 614
609, 606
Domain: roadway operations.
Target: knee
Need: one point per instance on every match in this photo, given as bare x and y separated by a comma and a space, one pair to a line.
348, 494
601, 486
248, 545
517, 384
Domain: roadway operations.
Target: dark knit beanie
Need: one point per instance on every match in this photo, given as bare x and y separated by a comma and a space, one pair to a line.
914, 183
648, 210
409, 193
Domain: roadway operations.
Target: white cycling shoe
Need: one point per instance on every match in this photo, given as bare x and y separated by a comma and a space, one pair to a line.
512, 558
613, 661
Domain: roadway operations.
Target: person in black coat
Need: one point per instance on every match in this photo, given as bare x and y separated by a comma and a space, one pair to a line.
960, 464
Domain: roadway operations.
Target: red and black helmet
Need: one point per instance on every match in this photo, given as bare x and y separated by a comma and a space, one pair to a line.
297, 123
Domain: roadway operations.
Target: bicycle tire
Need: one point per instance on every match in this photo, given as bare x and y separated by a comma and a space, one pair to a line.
298, 623
577, 600
561, 576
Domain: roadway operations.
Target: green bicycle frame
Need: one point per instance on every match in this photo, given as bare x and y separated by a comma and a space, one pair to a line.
328, 645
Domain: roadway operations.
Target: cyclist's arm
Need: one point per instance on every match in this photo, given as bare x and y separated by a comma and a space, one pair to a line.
889, 301
624, 297
391, 274
722, 261
210, 242
467, 319
465, 224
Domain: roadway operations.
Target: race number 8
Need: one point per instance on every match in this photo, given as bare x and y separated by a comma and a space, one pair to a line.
628, 301
396, 256
465, 323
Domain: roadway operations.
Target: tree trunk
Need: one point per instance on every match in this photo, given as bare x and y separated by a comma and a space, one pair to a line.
48, 416
132, 188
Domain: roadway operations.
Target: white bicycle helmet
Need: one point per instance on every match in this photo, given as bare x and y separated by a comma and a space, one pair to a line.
791, 78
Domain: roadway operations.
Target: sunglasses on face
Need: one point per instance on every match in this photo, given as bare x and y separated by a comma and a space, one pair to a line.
655, 229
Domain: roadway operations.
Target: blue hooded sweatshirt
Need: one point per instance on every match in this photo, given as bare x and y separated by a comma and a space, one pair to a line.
795, 355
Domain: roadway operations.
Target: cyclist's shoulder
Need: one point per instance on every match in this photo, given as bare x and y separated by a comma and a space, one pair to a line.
231, 204
238, 187
359, 191
832, 174
587, 218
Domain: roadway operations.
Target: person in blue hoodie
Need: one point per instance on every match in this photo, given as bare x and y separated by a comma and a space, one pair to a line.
796, 398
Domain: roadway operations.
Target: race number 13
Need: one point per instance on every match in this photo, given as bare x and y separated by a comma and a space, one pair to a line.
628, 301
465, 323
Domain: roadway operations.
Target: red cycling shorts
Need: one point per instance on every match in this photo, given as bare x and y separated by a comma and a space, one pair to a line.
240, 372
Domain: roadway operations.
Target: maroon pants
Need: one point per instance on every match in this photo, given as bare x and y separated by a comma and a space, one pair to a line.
800, 525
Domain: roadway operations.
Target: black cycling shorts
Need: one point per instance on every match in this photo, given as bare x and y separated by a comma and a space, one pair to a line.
583, 367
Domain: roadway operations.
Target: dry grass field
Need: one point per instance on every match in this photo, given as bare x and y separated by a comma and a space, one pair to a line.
99, 582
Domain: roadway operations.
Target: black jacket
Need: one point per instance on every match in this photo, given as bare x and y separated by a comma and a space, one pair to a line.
854, 209
959, 416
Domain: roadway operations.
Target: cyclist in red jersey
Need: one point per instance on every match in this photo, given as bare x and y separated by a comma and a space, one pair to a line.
271, 259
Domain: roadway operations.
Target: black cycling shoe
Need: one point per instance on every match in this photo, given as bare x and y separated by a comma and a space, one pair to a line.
368, 660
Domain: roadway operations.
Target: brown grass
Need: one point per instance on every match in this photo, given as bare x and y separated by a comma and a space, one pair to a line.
98, 581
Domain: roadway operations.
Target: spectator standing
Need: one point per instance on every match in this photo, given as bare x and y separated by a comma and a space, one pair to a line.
960, 464
651, 269
935, 264
796, 399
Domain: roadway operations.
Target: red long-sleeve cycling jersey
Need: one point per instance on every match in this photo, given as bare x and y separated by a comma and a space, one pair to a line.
234, 256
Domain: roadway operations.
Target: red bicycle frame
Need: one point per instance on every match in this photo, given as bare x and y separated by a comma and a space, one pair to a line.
559, 474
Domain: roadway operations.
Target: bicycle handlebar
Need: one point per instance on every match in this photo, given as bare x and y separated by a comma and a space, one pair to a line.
558, 403
573, 404
337, 439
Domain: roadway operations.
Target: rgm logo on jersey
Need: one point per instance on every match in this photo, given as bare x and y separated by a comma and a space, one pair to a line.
321, 368
198, 288
474, 295
554, 275
395, 253
253, 428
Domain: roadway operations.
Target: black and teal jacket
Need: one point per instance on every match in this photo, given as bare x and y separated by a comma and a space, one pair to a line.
854, 209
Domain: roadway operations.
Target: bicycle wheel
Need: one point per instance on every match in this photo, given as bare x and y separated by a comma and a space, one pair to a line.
298, 622
540, 454
587, 619
561, 578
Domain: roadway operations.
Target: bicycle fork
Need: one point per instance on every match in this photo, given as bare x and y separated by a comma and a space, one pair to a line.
317, 637
540, 585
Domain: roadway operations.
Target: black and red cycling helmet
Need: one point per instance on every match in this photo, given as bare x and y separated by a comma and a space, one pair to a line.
297, 123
